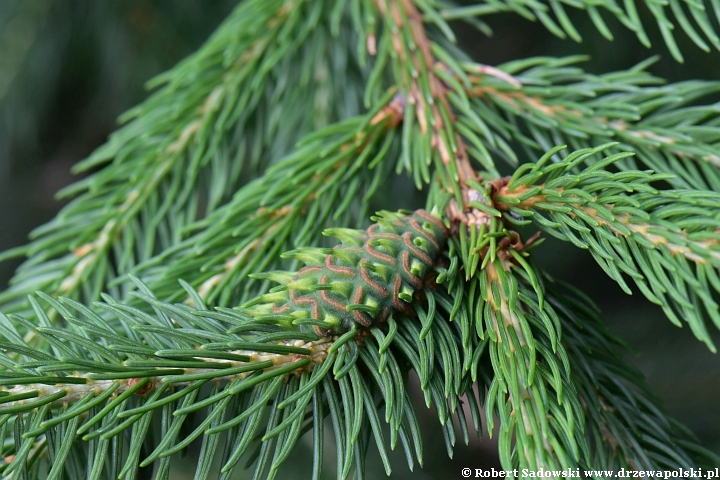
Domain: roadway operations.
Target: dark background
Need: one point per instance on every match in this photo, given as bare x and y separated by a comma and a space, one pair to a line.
69, 68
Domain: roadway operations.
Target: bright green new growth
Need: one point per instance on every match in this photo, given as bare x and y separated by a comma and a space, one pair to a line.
257, 144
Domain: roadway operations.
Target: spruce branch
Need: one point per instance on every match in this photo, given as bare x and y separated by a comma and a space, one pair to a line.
288, 206
416, 72
563, 393
99, 383
553, 15
667, 241
262, 356
542, 422
181, 153
559, 103
531, 391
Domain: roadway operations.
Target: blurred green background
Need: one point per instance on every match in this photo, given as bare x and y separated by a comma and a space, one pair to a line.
68, 68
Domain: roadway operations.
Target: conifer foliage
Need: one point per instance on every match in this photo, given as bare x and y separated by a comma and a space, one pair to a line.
185, 295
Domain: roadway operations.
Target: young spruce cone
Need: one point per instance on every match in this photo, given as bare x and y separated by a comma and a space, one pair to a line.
371, 275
